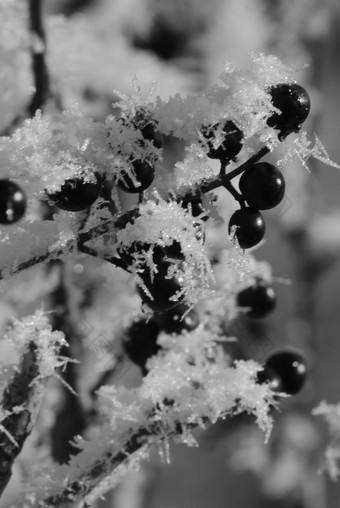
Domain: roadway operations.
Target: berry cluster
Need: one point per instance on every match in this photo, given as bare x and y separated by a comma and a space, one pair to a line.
261, 187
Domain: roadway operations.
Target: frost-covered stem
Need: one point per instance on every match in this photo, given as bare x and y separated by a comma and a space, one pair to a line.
214, 183
18, 424
70, 420
120, 221
38, 51
77, 489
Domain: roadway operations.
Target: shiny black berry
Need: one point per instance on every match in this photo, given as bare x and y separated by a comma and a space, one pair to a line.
161, 287
173, 321
258, 300
140, 340
76, 195
12, 202
293, 102
231, 144
250, 227
144, 174
262, 186
285, 371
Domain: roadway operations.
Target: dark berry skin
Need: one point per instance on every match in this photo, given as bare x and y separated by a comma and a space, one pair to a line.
12, 202
150, 132
294, 103
76, 195
144, 174
288, 368
231, 145
148, 127
262, 186
172, 322
140, 341
159, 253
259, 300
194, 203
162, 288
250, 228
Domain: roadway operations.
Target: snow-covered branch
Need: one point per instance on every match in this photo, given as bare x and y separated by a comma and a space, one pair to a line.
37, 347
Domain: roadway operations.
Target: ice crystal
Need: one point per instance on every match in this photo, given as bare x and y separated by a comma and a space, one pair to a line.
37, 329
304, 149
161, 223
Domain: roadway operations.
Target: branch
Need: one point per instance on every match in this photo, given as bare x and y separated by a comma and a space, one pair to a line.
76, 490
38, 51
18, 424
121, 220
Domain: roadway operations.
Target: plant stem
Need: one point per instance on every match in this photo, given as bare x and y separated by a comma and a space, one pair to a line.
78, 489
38, 51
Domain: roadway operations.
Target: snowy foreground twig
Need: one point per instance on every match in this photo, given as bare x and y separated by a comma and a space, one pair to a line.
189, 385
38, 347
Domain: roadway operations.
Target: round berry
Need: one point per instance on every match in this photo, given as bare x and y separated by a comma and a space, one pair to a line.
268, 375
231, 144
161, 288
250, 227
159, 254
12, 202
259, 300
173, 321
150, 132
144, 174
76, 195
140, 341
293, 102
290, 370
262, 186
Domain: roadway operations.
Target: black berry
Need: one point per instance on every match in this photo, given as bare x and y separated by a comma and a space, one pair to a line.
259, 300
172, 322
161, 287
76, 195
262, 186
140, 341
150, 132
159, 254
144, 174
294, 104
194, 204
231, 144
286, 371
250, 227
12, 202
